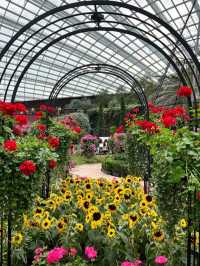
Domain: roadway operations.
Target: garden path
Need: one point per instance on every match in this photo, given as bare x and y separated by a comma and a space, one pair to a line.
90, 170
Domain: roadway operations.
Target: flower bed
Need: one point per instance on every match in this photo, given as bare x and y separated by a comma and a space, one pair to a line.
106, 222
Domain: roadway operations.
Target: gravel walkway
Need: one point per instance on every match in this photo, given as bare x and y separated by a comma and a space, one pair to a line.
90, 170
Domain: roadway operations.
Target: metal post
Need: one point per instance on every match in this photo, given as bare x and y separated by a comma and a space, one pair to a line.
9, 253
1, 248
189, 232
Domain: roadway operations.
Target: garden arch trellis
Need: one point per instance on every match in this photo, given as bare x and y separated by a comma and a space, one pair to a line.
120, 23
98, 18
130, 80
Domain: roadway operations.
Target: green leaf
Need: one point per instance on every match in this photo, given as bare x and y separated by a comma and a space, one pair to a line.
177, 173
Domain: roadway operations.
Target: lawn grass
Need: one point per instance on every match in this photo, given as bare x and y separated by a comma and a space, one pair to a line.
80, 159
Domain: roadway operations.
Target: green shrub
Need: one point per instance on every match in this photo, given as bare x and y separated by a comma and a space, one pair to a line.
115, 166
136, 156
82, 119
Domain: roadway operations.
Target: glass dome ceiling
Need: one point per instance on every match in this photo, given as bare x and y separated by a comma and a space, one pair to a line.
115, 48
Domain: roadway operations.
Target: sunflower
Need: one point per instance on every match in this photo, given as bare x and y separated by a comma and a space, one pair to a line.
85, 204
152, 213
143, 204
158, 235
17, 239
112, 207
127, 195
79, 227
38, 212
100, 183
89, 196
96, 219
35, 223
143, 211
51, 204
63, 190
68, 195
128, 179
99, 201
132, 219
88, 186
154, 225
26, 221
183, 223
46, 224
111, 232
61, 225
148, 198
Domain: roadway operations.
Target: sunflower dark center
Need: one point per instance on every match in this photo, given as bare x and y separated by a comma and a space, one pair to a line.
86, 204
112, 207
158, 234
149, 198
133, 218
88, 186
60, 225
38, 211
127, 196
96, 216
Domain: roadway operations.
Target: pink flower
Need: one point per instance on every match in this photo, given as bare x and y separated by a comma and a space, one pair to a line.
38, 251
134, 263
91, 253
73, 252
127, 263
55, 255
37, 258
161, 260
137, 262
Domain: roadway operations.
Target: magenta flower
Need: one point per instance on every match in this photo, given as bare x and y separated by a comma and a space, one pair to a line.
90, 253
55, 255
134, 263
127, 263
161, 260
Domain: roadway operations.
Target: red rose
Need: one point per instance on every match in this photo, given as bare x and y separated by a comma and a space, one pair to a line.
147, 126
20, 107
27, 167
51, 109
38, 115
52, 164
77, 129
42, 135
168, 121
184, 91
129, 116
43, 107
120, 129
41, 127
136, 110
21, 119
7, 108
10, 145
54, 142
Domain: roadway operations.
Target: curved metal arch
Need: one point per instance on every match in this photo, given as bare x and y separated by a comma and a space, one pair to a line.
113, 3
109, 3
179, 73
87, 13
119, 23
99, 68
